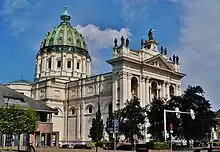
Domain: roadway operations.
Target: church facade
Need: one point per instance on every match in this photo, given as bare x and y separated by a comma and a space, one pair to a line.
64, 82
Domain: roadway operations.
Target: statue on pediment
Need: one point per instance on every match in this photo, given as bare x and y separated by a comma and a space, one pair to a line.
150, 35
127, 42
122, 41
165, 51
174, 58
177, 59
142, 42
161, 50
116, 41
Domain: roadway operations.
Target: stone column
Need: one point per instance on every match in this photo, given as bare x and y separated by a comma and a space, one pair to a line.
178, 91
114, 92
142, 91
44, 63
53, 63
163, 90
129, 86
78, 122
123, 89
147, 91
150, 95
82, 122
168, 90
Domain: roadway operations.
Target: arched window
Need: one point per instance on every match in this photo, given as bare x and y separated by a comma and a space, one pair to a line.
171, 89
134, 85
90, 109
73, 111
154, 89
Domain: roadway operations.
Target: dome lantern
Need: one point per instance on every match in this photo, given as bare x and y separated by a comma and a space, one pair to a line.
65, 17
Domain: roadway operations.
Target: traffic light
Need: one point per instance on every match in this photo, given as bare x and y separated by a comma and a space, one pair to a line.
177, 112
192, 113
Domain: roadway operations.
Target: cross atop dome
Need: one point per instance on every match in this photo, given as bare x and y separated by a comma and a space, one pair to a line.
65, 17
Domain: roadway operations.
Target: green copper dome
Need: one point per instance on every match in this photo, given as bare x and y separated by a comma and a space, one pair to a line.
64, 36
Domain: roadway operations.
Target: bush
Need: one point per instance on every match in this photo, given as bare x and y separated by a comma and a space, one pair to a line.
216, 143
160, 145
99, 144
91, 145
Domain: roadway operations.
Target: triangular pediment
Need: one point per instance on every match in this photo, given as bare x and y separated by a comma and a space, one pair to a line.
159, 61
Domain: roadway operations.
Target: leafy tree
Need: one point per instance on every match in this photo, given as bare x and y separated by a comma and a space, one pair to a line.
132, 120
96, 131
156, 119
194, 98
16, 120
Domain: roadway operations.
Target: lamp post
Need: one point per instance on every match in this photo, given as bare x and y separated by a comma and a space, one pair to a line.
177, 112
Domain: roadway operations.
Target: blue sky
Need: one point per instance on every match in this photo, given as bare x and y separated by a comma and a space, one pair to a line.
181, 25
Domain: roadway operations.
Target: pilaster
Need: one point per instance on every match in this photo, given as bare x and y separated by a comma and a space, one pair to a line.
82, 121
168, 90
123, 89
163, 90
142, 91
114, 92
65, 107
78, 122
147, 91
129, 76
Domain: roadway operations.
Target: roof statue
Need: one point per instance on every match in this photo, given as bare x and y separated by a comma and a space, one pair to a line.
122, 41
116, 41
150, 35
127, 42
142, 42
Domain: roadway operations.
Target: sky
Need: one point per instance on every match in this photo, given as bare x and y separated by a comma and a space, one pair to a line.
188, 28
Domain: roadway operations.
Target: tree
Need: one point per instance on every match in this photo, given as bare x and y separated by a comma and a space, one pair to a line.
194, 98
16, 120
156, 119
155, 114
132, 120
96, 131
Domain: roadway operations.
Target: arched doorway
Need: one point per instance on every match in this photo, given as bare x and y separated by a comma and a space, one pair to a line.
134, 86
154, 89
171, 89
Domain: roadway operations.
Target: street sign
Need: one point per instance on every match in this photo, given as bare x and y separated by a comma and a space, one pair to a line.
112, 125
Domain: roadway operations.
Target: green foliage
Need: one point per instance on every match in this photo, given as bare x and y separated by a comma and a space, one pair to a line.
185, 127
160, 145
91, 145
132, 117
15, 119
155, 117
216, 143
96, 131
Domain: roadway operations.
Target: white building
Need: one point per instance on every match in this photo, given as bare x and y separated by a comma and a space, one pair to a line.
63, 79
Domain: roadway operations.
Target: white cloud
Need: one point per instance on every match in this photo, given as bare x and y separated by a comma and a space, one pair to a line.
98, 39
200, 46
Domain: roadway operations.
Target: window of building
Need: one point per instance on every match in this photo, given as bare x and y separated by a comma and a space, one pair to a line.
49, 64
90, 109
68, 64
58, 64
77, 65
73, 111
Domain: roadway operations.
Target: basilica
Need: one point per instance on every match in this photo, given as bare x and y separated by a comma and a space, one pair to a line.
64, 82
